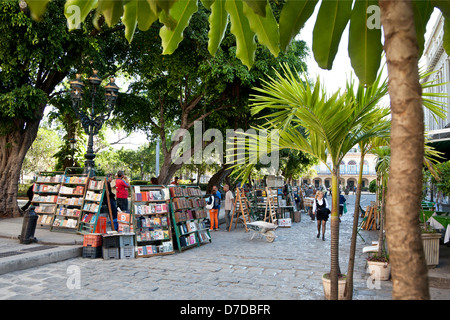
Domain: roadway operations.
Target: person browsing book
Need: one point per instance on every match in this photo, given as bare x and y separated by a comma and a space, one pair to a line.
122, 186
229, 204
112, 199
214, 212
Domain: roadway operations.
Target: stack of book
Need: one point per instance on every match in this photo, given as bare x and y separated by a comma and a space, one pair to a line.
70, 201
92, 196
151, 208
45, 209
75, 180
67, 223
155, 249
148, 196
46, 188
52, 179
178, 192
48, 198
188, 240
96, 185
68, 212
91, 207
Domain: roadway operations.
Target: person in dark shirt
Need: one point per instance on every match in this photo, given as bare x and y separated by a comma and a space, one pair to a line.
112, 200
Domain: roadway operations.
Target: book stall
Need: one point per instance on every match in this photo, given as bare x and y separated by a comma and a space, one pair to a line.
151, 220
162, 219
189, 217
70, 201
45, 195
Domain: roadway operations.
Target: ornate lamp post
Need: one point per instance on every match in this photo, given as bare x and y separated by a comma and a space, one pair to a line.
92, 122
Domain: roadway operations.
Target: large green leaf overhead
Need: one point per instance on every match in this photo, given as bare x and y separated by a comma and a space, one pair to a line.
364, 44
332, 19
254, 19
182, 12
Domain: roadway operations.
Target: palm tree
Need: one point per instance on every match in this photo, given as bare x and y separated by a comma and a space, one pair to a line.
333, 125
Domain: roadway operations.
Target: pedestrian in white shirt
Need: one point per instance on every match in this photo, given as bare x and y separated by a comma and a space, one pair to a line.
229, 204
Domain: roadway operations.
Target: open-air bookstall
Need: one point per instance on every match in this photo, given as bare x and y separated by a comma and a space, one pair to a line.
150, 217
93, 201
189, 217
70, 201
45, 195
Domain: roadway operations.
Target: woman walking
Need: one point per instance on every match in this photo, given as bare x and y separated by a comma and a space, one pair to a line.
320, 207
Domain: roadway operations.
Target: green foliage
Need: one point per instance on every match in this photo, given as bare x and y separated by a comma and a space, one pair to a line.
251, 20
443, 183
373, 186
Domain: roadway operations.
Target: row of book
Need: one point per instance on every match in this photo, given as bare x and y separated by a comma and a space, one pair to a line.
70, 201
190, 214
148, 196
89, 218
92, 207
151, 208
78, 190
204, 236
155, 249
53, 179
152, 222
96, 184
152, 235
68, 212
184, 192
75, 180
93, 196
191, 226
188, 240
47, 198
67, 223
45, 219
45, 188
45, 209
183, 203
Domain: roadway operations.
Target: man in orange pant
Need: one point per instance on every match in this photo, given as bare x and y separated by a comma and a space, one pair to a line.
214, 212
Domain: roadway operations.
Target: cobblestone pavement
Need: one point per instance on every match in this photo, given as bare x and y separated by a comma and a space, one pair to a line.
231, 267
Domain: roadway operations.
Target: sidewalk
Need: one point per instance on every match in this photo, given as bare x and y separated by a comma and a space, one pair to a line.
230, 249
50, 247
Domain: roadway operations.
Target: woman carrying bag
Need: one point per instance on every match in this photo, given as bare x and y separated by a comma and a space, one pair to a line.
213, 204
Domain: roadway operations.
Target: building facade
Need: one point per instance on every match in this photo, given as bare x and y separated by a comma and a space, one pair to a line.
349, 171
436, 60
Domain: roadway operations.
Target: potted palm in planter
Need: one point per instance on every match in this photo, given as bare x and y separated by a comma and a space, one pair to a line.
430, 241
379, 267
326, 282
378, 264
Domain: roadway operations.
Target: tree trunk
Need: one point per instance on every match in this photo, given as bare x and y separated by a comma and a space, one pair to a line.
218, 177
409, 270
13, 148
382, 219
351, 258
334, 270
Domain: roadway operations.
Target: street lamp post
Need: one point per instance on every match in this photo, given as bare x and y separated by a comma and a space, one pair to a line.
91, 121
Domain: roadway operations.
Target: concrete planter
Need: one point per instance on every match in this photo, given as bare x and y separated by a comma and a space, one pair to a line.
430, 243
379, 270
327, 287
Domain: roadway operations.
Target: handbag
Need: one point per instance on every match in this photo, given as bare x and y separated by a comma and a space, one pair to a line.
345, 207
209, 206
